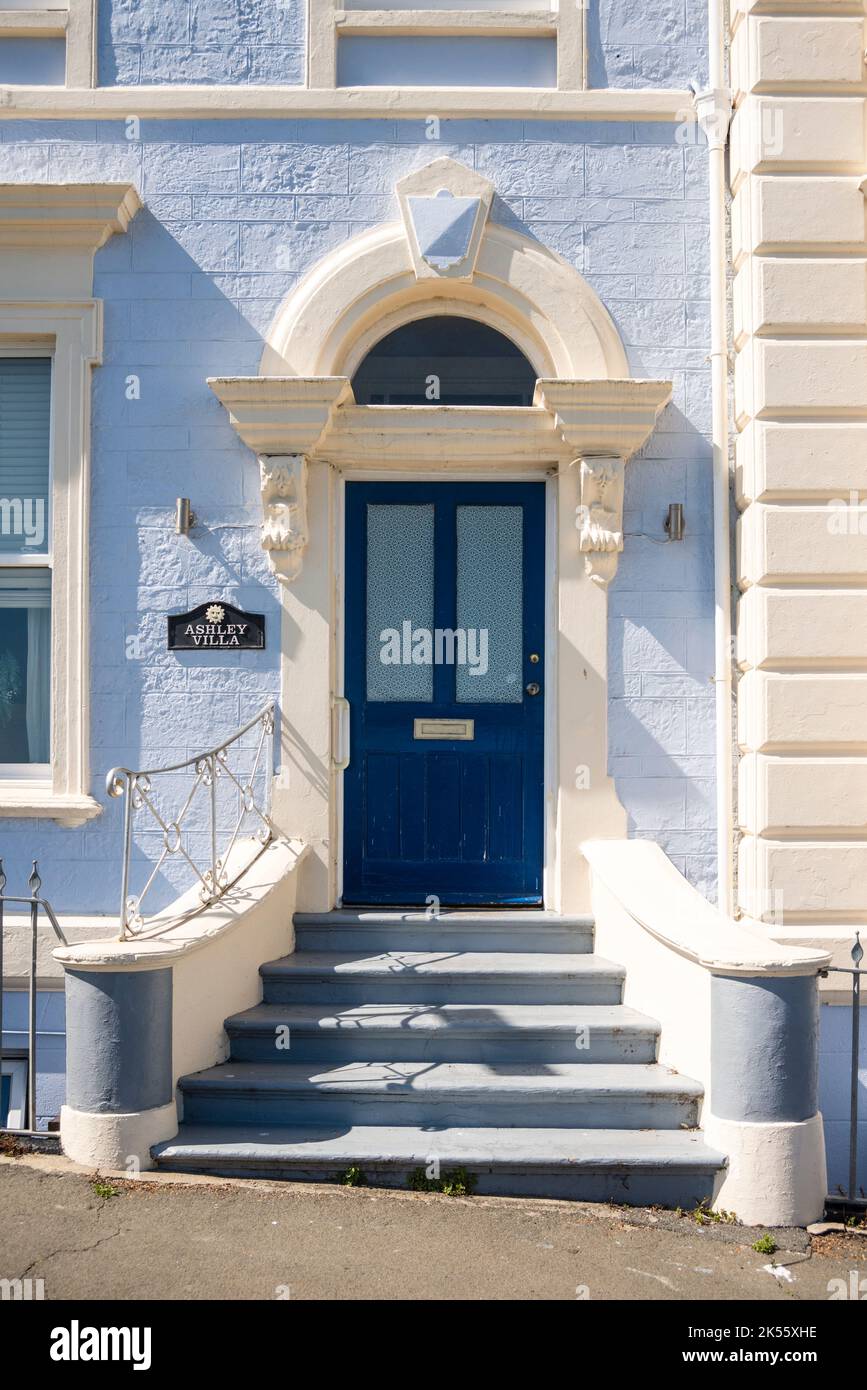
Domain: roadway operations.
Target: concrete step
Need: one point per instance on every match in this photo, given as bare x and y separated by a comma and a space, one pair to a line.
287, 1033
558, 1095
641, 1167
441, 977
528, 932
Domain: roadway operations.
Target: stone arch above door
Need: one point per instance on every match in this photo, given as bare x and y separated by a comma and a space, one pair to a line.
587, 418
445, 256
382, 278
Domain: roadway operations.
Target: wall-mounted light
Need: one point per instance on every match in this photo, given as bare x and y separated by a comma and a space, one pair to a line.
674, 521
185, 517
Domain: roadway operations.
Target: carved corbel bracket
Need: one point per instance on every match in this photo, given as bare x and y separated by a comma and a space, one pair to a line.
599, 516
284, 503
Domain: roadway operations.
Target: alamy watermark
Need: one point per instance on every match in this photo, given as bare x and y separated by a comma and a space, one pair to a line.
22, 1290
23, 516
441, 646
847, 516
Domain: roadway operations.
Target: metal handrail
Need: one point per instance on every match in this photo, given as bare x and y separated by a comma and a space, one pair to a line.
34, 902
856, 955
207, 769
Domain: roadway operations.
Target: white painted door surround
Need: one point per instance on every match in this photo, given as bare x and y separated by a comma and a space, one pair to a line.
587, 419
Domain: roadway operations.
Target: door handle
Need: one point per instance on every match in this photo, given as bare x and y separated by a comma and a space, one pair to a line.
534, 688
340, 749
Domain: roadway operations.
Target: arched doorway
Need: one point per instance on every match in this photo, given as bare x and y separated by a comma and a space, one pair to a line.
364, 320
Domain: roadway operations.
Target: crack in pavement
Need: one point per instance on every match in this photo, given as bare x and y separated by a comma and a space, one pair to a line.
69, 1250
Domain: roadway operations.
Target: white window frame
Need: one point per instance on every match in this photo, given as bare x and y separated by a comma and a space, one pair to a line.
76, 23
48, 236
16, 1067
71, 333
327, 21
42, 559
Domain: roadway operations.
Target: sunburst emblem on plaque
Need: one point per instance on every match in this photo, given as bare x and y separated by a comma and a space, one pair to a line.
215, 614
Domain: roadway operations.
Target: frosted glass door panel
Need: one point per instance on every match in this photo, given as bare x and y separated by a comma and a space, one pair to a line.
490, 615
400, 601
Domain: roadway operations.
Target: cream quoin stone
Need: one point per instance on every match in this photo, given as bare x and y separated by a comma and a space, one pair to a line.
787, 712
778, 460
797, 793
779, 628
800, 388
804, 52
791, 214
786, 296
815, 134
780, 544
794, 378
803, 542
818, 881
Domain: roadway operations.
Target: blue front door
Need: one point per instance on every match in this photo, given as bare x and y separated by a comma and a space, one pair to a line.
445, 629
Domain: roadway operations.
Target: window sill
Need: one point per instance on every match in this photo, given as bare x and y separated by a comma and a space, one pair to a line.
32, 801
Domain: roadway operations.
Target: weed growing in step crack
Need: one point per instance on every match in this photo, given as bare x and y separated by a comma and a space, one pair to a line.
765, 1245
703, 1215
456, 1182
352, 1177
104, 1189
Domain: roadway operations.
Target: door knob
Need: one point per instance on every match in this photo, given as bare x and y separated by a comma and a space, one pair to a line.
533, 688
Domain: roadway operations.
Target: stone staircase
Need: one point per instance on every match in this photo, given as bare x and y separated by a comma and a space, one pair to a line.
493, 1042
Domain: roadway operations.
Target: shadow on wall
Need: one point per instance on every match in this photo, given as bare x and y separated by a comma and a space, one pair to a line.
661, 654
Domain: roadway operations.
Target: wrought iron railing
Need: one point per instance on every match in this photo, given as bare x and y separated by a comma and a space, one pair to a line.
34, 903
857, 955
221, 797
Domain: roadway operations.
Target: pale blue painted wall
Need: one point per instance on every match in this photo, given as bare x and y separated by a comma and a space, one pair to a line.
210, 41
661, 43
236, 211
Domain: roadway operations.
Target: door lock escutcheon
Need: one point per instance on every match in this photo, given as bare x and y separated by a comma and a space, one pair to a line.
534, 688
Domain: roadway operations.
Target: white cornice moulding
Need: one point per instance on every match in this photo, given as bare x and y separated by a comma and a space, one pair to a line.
239, 102
318, 417
70, 215
594, 424
281, 415
604, 417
